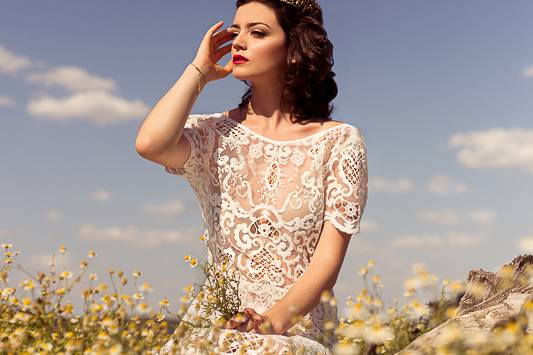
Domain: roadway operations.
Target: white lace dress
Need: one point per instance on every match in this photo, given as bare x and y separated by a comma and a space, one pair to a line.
264, 202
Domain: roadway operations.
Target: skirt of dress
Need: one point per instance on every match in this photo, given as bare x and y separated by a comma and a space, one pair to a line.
230, 341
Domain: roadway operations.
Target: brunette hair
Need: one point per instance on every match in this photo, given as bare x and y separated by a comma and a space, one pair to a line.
308, 82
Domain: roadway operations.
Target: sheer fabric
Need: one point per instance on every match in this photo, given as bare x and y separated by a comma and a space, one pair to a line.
264, 203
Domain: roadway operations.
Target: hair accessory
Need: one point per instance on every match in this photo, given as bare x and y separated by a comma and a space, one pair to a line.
308, 7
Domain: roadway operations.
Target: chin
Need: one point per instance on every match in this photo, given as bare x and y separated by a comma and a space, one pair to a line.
241, 76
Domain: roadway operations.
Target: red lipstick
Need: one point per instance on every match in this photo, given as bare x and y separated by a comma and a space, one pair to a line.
239, 59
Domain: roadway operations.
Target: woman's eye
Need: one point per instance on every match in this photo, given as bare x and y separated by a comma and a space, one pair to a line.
260, 34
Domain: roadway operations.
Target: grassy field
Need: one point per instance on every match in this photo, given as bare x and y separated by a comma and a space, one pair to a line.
37, 317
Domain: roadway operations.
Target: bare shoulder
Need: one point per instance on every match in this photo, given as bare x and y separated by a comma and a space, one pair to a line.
333, 123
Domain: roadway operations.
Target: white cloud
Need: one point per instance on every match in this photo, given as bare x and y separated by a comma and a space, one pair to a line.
7, 102
368, 226
495, 148
454, 239
481, 216
526, 244
528, 72
389, 185
165, 209
11, 63
466, 240
417, 241
134, 236
72, 79
53, 215
443, 185
443, 217
450, 217
102, 108
101, 195
90, 99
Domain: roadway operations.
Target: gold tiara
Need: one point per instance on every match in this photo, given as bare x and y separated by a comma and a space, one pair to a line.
308, 7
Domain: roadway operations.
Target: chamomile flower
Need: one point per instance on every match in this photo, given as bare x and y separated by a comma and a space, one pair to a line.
66, 275
143, 308
146, 287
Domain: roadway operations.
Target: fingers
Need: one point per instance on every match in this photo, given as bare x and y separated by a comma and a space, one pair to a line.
251, 326
213, 28
256, 320
221, 37
237, 321
252, 313
222, 52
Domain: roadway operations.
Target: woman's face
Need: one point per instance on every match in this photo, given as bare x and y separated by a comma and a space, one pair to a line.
263, 43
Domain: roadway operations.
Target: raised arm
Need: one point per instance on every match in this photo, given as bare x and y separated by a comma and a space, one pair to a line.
163, 126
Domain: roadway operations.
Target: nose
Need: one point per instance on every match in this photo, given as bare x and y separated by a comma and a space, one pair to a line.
237, 43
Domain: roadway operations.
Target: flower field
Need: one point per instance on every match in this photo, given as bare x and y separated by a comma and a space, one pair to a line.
38, 318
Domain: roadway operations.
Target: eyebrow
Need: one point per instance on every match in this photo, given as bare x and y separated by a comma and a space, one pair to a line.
250, 24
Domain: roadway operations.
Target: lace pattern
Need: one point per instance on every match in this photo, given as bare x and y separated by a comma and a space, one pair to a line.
264, 202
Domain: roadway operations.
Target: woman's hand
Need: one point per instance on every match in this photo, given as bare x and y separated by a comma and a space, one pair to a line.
239, 322
209, 54
247, 321
251, 321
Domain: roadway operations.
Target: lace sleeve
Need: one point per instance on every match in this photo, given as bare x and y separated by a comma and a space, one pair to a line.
198, 133
346, 184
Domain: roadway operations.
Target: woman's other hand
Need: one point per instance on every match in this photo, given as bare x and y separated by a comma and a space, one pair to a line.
239, 322
247, 321
252, 321
209, 54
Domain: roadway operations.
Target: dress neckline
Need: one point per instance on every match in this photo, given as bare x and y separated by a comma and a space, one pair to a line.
248, 129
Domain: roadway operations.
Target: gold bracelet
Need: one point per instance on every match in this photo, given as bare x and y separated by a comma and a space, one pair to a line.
202, 78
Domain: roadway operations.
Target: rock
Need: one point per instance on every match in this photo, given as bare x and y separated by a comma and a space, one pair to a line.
490, 298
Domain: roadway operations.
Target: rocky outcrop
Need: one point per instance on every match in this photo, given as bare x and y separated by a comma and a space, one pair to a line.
490, 299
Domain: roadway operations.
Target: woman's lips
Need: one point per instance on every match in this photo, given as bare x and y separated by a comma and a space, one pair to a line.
238, 59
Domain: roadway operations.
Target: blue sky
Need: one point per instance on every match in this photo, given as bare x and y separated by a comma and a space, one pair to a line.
442, 91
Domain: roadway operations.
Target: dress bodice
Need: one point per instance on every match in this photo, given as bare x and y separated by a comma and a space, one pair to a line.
264, 202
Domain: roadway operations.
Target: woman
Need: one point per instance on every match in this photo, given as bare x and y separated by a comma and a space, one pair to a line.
282, 187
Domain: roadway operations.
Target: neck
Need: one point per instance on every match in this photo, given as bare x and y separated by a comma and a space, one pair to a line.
265, 107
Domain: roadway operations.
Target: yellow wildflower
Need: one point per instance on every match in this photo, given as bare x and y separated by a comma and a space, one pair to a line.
26, 301
325, 296
378, 334
376, 279
146, 287
69, 335
66, 275
164, 302
27, 285
143, 307
101, 287
68, 308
